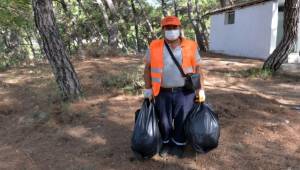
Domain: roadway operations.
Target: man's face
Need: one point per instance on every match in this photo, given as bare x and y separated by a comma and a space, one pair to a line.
171, 32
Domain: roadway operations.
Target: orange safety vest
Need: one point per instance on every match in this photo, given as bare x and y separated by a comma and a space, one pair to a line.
189, 48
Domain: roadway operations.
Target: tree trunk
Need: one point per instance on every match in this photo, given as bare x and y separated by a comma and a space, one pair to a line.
231, 2
202, 25
112, 27
29, 40
55, 51
11, 39
80, 6
204, 31
5, 40
40, 43
136, 26
287, 44
175, 8
195, 27
111, 7
64, 5
164, 8
116, 17
148, 23
95, 30
223, 3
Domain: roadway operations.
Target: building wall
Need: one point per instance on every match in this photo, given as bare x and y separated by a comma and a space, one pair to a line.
280, 27
252, 35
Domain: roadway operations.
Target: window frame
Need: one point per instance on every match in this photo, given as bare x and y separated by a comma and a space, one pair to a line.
230, 18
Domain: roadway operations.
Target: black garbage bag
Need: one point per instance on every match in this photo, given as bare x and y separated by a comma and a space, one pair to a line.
146, 140
202, 128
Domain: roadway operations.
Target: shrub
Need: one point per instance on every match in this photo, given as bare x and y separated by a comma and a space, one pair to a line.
129, 82
251, 73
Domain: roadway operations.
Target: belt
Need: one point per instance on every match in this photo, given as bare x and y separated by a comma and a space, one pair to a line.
173, 89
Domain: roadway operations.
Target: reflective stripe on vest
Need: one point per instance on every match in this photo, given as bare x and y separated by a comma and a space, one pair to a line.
156, 60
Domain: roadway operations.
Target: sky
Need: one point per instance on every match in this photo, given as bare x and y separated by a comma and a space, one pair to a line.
153, 2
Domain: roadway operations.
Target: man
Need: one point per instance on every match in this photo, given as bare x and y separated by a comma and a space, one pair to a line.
164, 83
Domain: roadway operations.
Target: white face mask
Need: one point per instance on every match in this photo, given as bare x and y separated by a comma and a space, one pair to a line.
172, 34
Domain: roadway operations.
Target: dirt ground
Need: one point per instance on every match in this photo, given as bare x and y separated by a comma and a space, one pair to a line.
260, 123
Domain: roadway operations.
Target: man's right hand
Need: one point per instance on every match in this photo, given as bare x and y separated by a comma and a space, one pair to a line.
200, 96
148, 94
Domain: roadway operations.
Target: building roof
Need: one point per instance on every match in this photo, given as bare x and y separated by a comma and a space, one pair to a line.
237, 6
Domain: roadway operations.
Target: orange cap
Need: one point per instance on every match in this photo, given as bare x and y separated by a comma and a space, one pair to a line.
170, 20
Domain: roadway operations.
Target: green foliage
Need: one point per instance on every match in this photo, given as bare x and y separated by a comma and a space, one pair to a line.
251, 73
16, 21
258, 73
128, 81
93, 50
15, 13
82, 26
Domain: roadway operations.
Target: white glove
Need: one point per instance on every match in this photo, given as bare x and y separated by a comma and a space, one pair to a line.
148, 93
201, 96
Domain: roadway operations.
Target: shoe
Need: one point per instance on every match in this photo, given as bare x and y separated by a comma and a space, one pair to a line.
177, 151
164, 151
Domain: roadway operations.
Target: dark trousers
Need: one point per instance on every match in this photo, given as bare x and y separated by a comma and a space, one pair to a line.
173, 108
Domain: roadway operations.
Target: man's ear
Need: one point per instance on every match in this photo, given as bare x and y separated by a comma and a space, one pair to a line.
181, 33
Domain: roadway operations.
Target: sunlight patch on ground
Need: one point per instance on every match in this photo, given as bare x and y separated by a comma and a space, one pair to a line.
7, 101
14, 80
96, 140
182, 164
124, 97
124, 60
280, 99
85, 134
77, 132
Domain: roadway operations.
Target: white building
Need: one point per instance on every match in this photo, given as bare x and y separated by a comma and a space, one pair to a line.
251, 29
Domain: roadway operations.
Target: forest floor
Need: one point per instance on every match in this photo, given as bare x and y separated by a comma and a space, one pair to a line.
259, 117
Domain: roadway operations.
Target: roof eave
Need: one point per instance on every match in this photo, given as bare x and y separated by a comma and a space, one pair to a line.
238, 6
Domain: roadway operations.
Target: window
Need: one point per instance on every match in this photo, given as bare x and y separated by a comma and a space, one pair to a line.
229, 17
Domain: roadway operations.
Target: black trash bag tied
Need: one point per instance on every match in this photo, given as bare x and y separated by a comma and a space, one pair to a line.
146, 139
202, 128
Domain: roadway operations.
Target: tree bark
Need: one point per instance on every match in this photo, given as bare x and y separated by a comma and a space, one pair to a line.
202, 25
231, 2
136, 26
5, 40
55, 51
291, 20
80, 6
117, 16
31, 45
64, 5
40, 43
95, 29
195, 27
164, 8
11, 39
112, 27
175, 8
223, 3
204, 33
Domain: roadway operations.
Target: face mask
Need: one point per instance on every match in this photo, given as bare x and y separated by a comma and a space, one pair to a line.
172, 34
